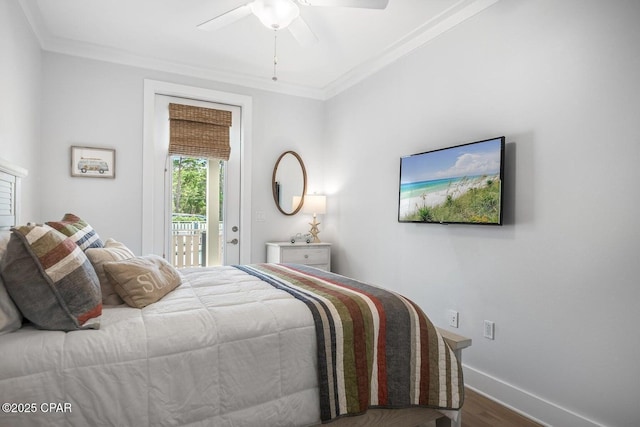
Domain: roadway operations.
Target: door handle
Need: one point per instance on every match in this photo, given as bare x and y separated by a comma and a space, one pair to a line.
233, 242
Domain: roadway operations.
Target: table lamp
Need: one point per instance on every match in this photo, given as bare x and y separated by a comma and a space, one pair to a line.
316, 205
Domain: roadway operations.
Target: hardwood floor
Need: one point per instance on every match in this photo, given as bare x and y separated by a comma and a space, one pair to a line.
479, 411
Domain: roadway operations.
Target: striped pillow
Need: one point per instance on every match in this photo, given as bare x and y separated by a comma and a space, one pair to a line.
51, 279
79, 230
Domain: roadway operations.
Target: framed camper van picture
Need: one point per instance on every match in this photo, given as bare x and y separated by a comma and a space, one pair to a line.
93, 162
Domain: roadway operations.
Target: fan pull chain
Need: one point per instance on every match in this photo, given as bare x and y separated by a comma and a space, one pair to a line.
275, 54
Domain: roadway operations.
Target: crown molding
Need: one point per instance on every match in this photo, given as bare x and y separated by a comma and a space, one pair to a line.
101, 53
449, 18
454, 15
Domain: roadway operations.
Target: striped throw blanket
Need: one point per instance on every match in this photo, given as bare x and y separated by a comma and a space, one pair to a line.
376, 349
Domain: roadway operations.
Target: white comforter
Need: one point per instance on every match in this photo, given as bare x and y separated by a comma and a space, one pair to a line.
220, 350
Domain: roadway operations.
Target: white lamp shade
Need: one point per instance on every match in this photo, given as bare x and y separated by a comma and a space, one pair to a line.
315, 204
275, 14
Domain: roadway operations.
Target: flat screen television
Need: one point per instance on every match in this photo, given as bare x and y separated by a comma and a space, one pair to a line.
462, 184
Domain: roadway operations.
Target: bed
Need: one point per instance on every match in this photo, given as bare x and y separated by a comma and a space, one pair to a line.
227, 346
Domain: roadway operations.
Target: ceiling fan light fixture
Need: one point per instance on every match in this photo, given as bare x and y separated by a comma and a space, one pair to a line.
275, 14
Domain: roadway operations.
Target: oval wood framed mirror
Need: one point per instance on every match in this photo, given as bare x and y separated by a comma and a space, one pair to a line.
289, 183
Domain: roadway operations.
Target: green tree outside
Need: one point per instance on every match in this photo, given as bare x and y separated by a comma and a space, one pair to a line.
189, 185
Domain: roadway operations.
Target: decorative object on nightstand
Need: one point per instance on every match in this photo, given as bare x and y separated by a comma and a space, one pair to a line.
313, 254
316, 205
299, 237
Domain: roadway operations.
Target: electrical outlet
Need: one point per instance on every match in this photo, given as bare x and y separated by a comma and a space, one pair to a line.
453, 318
489, 329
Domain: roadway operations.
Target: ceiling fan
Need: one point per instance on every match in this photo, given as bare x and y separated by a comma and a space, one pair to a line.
281, 14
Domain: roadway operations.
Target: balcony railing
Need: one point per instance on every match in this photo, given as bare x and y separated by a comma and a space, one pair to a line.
189, 243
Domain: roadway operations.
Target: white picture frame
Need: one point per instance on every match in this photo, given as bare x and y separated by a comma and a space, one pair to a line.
93, 162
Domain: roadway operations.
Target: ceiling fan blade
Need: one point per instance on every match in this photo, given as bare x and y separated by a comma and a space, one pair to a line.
226, 18
364, 4
302, 33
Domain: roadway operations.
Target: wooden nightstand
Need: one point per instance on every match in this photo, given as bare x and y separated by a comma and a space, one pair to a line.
313, 254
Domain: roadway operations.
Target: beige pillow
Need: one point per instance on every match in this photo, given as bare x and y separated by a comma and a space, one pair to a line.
112, 251
143, 280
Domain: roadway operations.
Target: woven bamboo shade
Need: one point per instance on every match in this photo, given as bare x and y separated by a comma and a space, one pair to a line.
199, 132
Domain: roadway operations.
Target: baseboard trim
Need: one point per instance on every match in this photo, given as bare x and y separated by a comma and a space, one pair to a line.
526, 404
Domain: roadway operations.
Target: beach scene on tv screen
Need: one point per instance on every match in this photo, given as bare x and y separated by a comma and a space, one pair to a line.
455, 185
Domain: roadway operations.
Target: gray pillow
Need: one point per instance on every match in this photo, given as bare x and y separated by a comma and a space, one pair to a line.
51, 280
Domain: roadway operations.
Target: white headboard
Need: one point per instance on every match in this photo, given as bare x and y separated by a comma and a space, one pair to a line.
10, 176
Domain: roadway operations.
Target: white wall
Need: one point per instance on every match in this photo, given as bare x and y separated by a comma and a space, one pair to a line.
560, 279
285, 123
20, 99
94, 103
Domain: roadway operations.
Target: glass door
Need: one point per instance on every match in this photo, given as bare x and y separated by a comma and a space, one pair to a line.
202, 197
